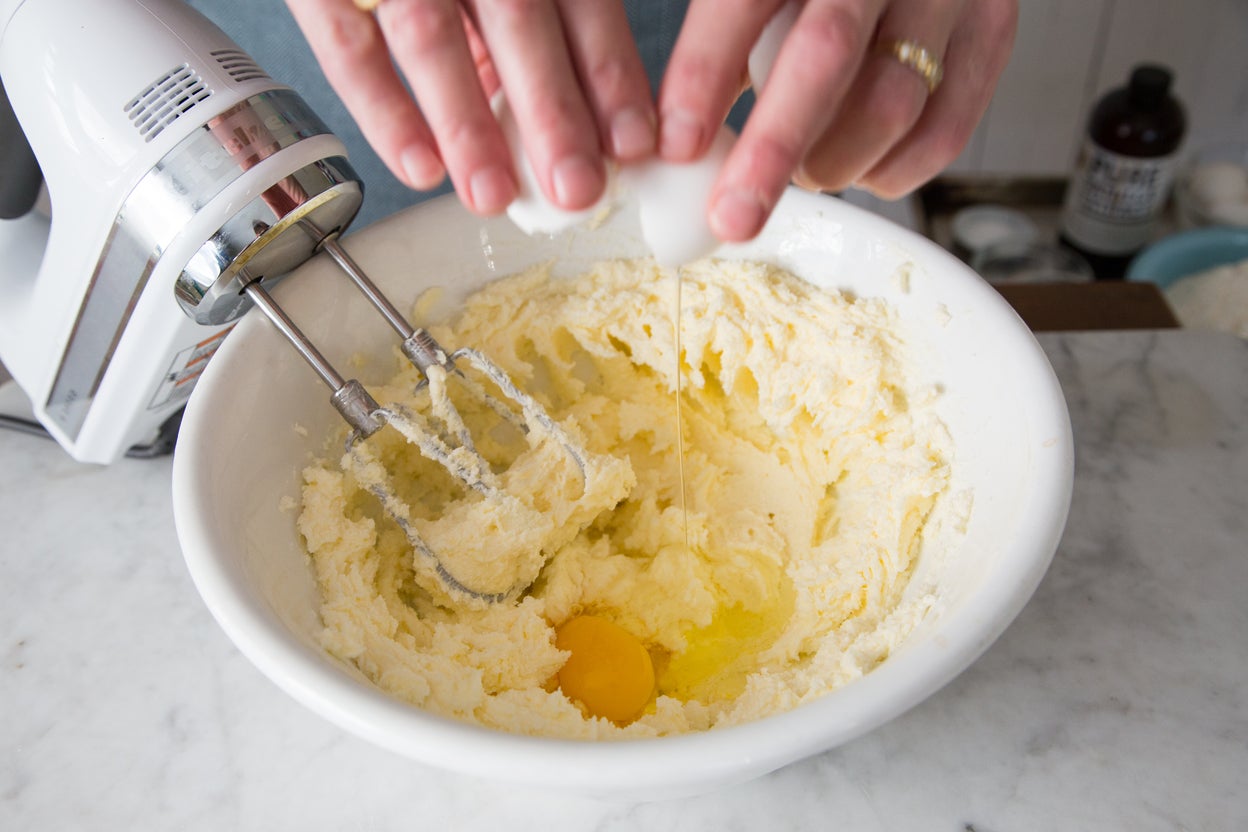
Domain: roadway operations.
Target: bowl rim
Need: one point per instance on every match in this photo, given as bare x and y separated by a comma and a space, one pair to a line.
718, 756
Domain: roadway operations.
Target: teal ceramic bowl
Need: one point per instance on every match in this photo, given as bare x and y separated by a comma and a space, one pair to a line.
1189, 252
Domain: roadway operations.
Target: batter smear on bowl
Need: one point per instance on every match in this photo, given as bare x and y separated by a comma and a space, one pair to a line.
815, 465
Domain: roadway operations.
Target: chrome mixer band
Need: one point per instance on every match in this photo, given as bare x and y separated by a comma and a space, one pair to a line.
156, 210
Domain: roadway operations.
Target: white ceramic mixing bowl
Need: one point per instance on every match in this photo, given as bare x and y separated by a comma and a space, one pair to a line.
240, 454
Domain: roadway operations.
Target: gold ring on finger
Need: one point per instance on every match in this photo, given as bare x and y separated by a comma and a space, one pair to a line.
918, 58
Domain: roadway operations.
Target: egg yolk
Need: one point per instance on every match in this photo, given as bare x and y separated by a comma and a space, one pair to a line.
609, 671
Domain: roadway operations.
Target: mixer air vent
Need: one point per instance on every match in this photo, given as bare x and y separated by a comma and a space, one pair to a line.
239, 65
164, 100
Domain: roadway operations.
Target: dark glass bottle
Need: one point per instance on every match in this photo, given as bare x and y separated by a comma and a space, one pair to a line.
1124, 173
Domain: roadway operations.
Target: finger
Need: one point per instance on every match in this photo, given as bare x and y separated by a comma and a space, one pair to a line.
703, 75
527, 44
486, 72
427, 40
351, 50
811, 76
977, 54
612, 76
886, 99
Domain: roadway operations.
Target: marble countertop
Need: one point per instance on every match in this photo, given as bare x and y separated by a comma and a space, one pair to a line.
1118, 700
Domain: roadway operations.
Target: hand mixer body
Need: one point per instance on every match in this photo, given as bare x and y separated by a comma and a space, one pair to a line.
178, 172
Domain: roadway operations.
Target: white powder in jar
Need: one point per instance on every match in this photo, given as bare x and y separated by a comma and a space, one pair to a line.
1216, 299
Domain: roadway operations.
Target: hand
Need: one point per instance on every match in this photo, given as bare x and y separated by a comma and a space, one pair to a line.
836, 110
575, 84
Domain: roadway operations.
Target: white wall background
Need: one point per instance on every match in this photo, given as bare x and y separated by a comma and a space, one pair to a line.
1069, 52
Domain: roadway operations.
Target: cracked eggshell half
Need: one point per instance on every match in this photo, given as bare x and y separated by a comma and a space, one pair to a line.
672, 202
531, 210
767, 47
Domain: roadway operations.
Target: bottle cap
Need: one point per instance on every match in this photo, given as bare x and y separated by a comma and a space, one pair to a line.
1149, 86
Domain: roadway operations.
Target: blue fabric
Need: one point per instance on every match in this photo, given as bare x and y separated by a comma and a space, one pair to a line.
266, 30
655, 25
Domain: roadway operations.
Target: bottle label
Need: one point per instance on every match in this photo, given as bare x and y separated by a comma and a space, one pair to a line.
1113, 201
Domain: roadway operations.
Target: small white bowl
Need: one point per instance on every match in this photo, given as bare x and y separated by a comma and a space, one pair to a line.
239, 454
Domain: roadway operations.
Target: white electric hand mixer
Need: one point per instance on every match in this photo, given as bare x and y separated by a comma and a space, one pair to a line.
184, 182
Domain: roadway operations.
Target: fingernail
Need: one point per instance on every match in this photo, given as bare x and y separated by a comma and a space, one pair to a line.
577, 181
680, 136
492, 189
422, 167
632, 134
737, 215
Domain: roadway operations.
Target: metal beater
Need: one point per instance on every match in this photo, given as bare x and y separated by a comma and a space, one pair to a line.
442, 437
184, 181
